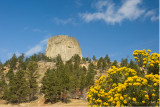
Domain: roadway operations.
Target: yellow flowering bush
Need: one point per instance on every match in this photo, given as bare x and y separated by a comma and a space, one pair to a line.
141, 56
146, 60
119, 75
125, 87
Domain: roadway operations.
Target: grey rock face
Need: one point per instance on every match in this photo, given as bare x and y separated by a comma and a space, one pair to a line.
66, 46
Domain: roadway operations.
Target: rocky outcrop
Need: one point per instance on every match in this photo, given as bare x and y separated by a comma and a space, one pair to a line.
66, 46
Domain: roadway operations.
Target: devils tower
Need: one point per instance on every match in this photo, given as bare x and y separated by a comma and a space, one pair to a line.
66, 46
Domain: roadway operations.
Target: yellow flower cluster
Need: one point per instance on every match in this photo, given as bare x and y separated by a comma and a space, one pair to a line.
119, 74
147, 60
154, 78
125, 87
142, 57
123, 70
101, 80
135, 81
122, 93
153, 59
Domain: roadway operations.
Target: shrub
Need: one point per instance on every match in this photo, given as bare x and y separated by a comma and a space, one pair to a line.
125, 87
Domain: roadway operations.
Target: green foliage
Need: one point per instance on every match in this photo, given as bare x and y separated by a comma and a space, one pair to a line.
101, 64
51, 86
124, 62
18, 88
126, 86
1, 64
32, 76
115, 63
56, 83
10, 74
133, 65
13, 61
21, 58
38, 57
2, 84
108, 60
94, 58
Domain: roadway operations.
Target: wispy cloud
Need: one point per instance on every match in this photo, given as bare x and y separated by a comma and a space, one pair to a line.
152, 15
110, 13
38, 48
63, 21
78, 3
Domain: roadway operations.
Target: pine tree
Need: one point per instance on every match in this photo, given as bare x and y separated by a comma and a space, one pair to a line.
124, 62
32, 76
115, 63
94, 58
10, 74
13, 61
100, 63
82, 81
3, 84
104, 65
59, 62
89, 79
51, 86
107, 59
18, 88
133, 65
21, 58
1, 64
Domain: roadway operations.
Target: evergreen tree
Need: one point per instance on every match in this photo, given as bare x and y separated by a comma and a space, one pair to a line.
89, 79
3, 84
76, 59
32, 76
59, 62
50, 86
18, 88
133, 65
100, 63
65, 84
21, 58
82, 81
84, 70
124, 62
115, 63
1, 64
107, 59
13, 61
10, 74
104, 65
94, 58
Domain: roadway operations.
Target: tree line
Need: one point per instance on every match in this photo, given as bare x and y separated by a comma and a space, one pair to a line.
20, 84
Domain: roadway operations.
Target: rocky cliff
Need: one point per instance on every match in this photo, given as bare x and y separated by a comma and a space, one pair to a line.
66, 46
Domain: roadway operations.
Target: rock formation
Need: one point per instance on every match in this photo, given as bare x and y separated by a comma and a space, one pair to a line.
66, 46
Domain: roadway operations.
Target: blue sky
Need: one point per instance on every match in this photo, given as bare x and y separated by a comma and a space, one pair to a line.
114, 27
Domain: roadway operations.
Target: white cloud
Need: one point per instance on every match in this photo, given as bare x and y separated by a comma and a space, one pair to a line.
110, 13
152, 15
38, 48
101, 4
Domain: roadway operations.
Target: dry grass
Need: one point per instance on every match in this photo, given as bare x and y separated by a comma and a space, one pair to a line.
40, 103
